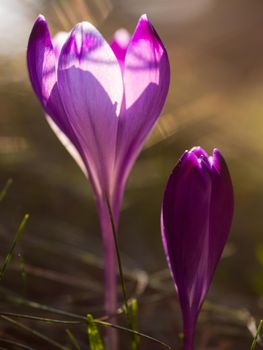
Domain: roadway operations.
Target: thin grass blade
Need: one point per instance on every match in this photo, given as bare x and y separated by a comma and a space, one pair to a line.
73, 339
6, 188
95, 340
10, 253
254, 343
40, 319
35, 333
16, 344
22, 268
128, 330
134, 322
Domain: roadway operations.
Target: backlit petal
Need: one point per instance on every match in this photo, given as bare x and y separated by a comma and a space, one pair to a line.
41, 60
146, 82
119, 44
91, 88
58, 41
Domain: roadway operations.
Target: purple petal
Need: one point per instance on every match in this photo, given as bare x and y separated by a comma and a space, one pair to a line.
58, 41
186, 229
66, 142
91, 88
221, 209
199, 152
196, 217
146, 82
41, 60
146, 64
119, 44
42, 68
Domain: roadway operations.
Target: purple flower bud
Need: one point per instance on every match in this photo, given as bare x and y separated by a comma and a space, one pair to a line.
196, 218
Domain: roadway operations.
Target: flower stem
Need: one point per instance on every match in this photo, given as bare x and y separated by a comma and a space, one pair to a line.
131, 324
110, 294
189, 333
114, 231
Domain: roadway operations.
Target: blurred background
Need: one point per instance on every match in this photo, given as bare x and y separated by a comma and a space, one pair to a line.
215, 100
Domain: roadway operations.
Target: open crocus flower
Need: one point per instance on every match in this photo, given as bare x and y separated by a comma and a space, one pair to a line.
196, 217
102, 102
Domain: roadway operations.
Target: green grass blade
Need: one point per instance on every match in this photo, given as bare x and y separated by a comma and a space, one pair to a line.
254, 343
134, 322
9, 255
131, 331
41, 319
116, 241
35, 333
95, 340
9, 296
17, 345
73, 339
6, 188
23, 272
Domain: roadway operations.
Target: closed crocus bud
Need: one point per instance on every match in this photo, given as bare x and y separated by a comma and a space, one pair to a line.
196, 217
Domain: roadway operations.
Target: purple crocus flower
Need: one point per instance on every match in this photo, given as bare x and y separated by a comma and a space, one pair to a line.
102, 102
196, 217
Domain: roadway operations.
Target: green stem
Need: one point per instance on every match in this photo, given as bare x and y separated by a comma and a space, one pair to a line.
114, 231
35, 333
73, 339
18, 345
41, 319
254, 343
9, 255
6, 188
131, 324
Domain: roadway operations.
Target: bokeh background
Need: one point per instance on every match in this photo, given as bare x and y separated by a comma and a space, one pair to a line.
215, 100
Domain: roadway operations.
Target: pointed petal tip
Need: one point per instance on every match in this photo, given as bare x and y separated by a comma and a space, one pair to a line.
144, 17
183, 158
146, 31
41, 61
184, 154
144, 27
193, 160
199, 151
82, 38
188, 160
40, 20
217, 160
216, 152
41, 17
84, 26
40, 28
